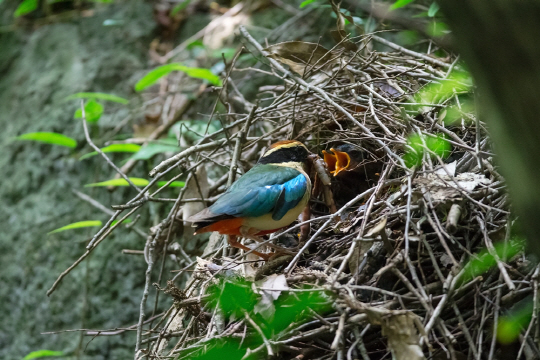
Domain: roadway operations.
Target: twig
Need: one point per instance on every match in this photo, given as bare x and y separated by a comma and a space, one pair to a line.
258, 329
186, 153
323, 94
238, 146
100, 152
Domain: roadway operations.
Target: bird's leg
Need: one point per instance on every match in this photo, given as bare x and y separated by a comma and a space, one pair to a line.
248, 233
236, 244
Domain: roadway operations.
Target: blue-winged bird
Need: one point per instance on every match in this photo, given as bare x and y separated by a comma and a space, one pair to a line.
267, 198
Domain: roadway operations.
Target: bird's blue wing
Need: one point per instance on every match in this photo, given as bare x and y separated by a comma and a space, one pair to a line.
262, 190
291, 194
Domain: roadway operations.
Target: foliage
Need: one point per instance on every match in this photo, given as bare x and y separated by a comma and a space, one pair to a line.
510, 326
233, 297
100, 96
485, 260
180, 6
136, 181
306, 3
400, 3
418, 145
433, 9
77, 225
237, 298
148, 151
92, 111
27, 6
153, 76
49, 138
43, 353
114, 148
436, 93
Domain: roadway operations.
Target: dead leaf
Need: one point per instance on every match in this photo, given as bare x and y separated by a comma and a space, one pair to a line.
446, 261
399, 326
265, 306
403, 339
300, 55
443, 187
448, 169
376, 230
339, 35
387, 89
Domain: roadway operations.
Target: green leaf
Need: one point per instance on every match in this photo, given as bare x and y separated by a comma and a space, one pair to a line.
439, 145
153, 76
92, 111
98, 95
224, 348
195, 44
400, 3
510, 327
435, 93
233, 297
26, 7
228, 52
42, 353
306, 3
200, 73
120, 182
127, 221
433, 9
49, 138
437, 28
150, 150
77, 225
121, 148
136, 181
179, 7
173, 184
485, 261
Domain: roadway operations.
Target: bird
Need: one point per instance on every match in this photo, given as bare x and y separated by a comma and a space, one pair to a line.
354, 171
265, 199
342, 158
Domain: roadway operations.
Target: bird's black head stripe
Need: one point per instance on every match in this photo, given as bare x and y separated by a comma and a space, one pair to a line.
288, 154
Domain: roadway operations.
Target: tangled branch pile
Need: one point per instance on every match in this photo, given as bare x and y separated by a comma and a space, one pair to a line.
397, 260
394, 260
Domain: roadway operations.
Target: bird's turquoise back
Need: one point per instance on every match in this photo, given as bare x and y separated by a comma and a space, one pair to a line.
264, 189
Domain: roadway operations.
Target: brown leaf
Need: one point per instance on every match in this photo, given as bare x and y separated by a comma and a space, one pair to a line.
300, 55
340, 37
400, 327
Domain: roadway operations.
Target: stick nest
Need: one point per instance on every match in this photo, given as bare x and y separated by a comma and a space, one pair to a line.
417, 260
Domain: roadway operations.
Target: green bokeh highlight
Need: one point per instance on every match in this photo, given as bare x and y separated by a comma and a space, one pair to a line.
415, 152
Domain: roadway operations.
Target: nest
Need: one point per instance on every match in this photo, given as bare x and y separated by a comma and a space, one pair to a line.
397, 255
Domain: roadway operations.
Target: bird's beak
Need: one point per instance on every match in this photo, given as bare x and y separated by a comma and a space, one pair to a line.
336, 162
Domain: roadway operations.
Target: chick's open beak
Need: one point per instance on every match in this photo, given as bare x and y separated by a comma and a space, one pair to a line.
336, 162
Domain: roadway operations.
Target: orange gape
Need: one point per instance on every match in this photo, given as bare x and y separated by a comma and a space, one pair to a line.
230, 227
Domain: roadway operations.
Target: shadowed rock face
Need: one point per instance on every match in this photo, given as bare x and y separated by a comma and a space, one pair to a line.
38, 69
